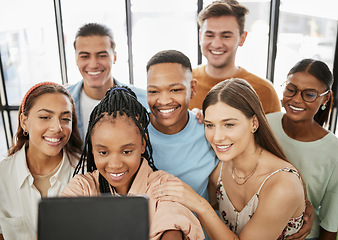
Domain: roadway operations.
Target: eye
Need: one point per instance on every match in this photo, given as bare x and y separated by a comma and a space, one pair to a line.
103, 153
229, 125
310, 94
176, 90
208, 125
103, 55
66, 119
127, 152
226, 36
152, 91
44, 117
84, 56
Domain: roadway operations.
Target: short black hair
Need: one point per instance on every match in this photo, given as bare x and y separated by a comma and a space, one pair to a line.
95, 29
170, 56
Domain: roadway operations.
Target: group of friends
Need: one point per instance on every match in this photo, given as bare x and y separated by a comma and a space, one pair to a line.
209, 146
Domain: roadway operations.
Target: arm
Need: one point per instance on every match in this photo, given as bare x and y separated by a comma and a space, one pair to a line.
307, 225
199, 114
172, 235
178, 191
325, 235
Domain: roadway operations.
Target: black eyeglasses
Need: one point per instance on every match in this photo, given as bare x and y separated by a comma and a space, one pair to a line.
308, 95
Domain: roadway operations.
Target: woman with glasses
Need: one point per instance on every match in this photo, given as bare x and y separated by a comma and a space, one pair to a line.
302, 133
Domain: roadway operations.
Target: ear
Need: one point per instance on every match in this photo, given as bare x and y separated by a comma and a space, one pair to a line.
242, 39
23, 122
254, 123
193, 88
143, 147
200, 37
327, 97
114, 59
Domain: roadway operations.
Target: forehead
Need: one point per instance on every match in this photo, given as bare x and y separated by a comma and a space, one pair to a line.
165, 74
221, 111
220, 24
93, 43
121, 129
305, 80
52, 101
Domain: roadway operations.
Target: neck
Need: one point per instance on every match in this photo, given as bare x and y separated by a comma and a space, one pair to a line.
308, 130
41, 164
98, 93
224, 72
172, 129
245, 163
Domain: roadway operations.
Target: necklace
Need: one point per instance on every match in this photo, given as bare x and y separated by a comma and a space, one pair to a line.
245, 178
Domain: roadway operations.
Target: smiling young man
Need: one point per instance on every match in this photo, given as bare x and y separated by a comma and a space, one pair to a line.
95, 54
178, 141
221, 33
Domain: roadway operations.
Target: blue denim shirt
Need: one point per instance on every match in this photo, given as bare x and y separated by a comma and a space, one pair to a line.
75, 91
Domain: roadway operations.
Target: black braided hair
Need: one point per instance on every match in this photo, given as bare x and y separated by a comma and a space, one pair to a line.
118, 100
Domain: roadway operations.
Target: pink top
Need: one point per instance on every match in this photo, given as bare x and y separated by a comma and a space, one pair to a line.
163, 215
236, 220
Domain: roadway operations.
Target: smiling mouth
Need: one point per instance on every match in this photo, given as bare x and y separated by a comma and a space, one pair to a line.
223, 147
296, 108
165, 111
94, 73
52, 140
217, 52
115, 175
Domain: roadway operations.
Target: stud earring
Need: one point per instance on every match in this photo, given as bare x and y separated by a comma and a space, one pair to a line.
25, 133
254, 130
323, 107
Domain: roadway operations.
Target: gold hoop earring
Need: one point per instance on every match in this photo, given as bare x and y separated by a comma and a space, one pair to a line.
25, 133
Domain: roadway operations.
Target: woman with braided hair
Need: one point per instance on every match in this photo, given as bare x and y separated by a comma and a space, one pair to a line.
118, 160
41, 160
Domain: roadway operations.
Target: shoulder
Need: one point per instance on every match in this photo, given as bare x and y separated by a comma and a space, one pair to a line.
73, 88
83, 185
272, 117
198, 71
255, 80
283, 186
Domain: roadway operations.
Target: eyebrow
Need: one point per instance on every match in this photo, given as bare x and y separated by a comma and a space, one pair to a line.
224, 32
224, 120
101, 52
171, 85
50, 111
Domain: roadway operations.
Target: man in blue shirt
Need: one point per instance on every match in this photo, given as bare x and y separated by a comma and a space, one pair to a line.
95, 53
178, 141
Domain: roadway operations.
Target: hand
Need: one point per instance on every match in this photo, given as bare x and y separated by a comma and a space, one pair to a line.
199, 114
175, 190
307, 225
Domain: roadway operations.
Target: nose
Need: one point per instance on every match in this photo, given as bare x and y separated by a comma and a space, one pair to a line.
114, 162
93, 62
218, 135
164, 98
56, 126
217, 42
297, 97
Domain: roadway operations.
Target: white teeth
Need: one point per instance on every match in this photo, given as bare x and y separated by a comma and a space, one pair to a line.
117, 174
167, 111
216, 53
94, 73
223, 147
52, 139
296, 109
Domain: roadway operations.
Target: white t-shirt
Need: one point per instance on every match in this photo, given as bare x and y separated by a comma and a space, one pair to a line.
87, 105
19, 197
